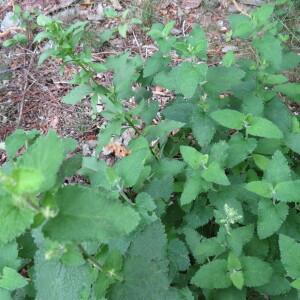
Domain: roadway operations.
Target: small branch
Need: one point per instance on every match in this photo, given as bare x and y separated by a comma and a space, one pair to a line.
25, 88
239, 8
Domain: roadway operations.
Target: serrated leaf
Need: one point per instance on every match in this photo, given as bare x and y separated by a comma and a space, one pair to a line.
213, 275
9, 255
278, 284
262, 14
178, 255
192, 187
239, 150
242, 26
270, 49
45, 156
192, 157
11, 279
292, 90
239, 237
13, 220
264, 128
256, 272
90, 215
220, 79
261, 188
77, 94
288, 191
145, 268
290, 255
124, 167
278, 169
237, 278
270, 217
187, 77
261, 161
229, 118
155, 64
214, 173
203, 128
54, 280
293, 142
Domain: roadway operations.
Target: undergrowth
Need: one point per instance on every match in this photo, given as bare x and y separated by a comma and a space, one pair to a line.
204, 206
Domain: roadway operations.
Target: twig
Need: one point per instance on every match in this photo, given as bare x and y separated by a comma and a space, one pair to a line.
25, 89
239, 8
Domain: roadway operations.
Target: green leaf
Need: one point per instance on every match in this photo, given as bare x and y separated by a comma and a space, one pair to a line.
145, 269
229, 118
125, 166
239, 237
122, 28
278, 169
256, 272
155, 64
242, 26
14, 220
288, 191
192, 187
214, 173
262, 14
203, 128
239, 149
261, 161
296, 284
198, 42
290, 255
270, 49
9, 255
212, 275
221, 79
45, 156
264, 128
187, 76
54, 280
160, 187
77, 94
178, 255
207, 248
293, 142
228, 59
11, 280
291, 90
237, 278
192, 157
278, 284
90, 215
161, 130
270, 217
14, 142
261, 188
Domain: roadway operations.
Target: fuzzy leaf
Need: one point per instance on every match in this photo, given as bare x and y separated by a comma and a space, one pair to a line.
11, 279
229, 118
77, 94
290, 255
278, 169
288, 191
212, 275
264, 128
193, 157
214, 173
85, 214
270, 217
256, 272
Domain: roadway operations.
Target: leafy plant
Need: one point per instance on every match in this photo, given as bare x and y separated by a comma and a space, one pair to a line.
205, 206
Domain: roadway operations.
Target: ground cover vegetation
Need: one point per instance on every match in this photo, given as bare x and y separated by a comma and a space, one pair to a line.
203, 204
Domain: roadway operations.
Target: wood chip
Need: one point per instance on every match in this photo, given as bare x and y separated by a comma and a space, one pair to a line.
191, 4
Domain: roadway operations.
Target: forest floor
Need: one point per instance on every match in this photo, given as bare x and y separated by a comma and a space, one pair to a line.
30, 95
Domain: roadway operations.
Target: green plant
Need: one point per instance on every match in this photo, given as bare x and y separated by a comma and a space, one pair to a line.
205, 206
